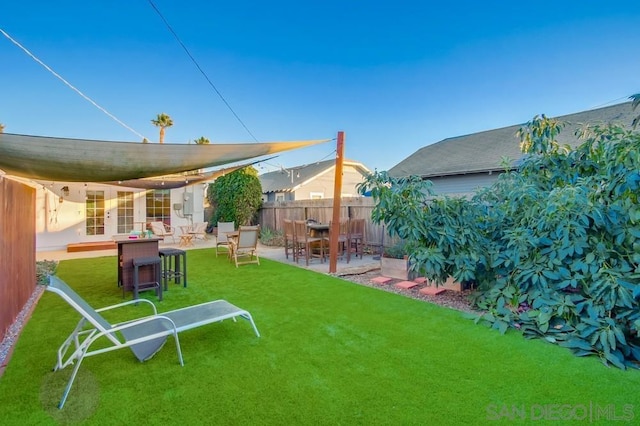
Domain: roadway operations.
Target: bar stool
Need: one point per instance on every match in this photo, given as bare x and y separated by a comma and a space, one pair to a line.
174, 265
153, 262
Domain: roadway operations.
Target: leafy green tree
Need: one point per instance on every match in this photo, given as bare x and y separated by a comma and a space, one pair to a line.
162, 121
202, 141
553, 247
236, 197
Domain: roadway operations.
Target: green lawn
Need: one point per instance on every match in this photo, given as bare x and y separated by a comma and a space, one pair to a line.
331, 352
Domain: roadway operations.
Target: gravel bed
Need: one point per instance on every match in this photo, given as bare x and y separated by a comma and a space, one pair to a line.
458, 300
43, 269
10, 338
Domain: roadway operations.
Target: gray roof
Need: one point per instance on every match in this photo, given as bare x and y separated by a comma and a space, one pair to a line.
289, 179
483, 151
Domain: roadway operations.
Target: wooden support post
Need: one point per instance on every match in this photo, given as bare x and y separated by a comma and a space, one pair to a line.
337, 193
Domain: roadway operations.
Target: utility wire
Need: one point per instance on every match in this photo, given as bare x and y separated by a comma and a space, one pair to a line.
611, 102
70, 85
201, 70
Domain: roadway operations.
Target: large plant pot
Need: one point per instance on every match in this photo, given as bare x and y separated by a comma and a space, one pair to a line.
394, 268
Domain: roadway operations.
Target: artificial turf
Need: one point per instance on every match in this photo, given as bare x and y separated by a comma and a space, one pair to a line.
331, 352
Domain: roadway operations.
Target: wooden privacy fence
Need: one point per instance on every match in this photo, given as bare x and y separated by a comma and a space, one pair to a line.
17, 249
272, 214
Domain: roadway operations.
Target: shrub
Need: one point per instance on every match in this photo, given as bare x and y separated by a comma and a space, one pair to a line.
235, 197
270, 237
553, 247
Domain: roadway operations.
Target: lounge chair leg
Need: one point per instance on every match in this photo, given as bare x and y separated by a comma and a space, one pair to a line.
70, 383
175, 336
249, 318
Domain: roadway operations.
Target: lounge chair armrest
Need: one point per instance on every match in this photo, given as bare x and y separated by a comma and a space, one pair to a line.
129, 302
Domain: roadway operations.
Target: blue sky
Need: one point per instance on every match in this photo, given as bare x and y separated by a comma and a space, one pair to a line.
395, 76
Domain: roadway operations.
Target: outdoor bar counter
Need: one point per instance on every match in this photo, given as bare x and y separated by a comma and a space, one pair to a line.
129, 249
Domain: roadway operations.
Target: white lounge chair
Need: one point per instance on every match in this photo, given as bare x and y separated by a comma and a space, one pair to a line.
160, 229
145, 336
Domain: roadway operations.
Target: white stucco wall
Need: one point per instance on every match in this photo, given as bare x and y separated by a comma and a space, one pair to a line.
61, 222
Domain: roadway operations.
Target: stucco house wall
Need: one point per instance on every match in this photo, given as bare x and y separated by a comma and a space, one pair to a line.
61, 215
311, 181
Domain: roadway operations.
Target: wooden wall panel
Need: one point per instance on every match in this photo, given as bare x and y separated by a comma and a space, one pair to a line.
17, 249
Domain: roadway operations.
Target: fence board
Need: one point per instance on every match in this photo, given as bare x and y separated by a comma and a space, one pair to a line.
17, 249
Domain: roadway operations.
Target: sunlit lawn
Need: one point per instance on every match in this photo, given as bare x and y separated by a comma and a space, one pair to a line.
331, 352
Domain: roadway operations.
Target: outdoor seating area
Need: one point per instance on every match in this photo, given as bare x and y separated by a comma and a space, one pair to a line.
311, 240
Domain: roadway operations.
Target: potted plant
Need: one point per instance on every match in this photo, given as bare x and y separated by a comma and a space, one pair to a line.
394, 262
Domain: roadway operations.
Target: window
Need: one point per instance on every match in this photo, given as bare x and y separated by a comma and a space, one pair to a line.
159, 206
280, 196
316, 195
94, 212
125, 212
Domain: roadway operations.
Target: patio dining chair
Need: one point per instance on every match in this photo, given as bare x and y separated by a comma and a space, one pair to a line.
356, 238
222, 240
245, 245
289, 238
145, 335
305, 244
343, 239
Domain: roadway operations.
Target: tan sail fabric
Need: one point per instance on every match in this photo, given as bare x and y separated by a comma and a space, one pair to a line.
83, 160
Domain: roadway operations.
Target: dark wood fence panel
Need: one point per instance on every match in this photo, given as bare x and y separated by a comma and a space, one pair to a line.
17, 249
272, 214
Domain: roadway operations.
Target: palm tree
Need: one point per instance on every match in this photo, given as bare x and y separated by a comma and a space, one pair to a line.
202, 141
163, 121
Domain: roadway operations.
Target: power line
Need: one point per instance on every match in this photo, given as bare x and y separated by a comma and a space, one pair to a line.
70, 85
611, 102
201, 70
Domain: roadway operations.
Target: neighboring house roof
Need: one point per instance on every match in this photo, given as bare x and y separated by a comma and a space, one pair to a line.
483, 151
290, 179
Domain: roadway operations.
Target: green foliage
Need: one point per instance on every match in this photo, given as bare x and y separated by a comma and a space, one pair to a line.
553, 247
44, 268
271, 237
202, 141
236, 197
396, 251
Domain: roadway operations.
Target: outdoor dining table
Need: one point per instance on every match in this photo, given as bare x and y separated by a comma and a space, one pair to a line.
318, 229
129, 249
187, 236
